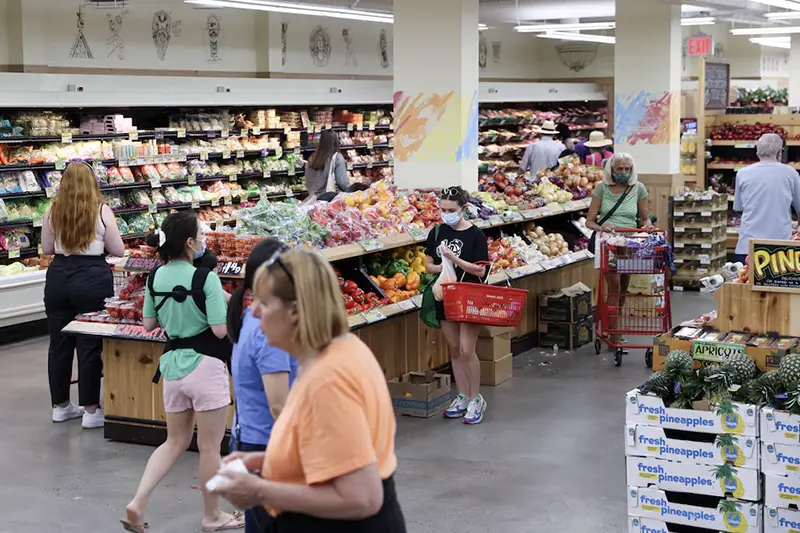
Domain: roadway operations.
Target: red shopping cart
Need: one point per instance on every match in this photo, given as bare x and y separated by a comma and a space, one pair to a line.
622, 313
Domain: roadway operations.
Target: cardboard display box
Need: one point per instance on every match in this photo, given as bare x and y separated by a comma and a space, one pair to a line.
780, 459
777, 520
494, 373
637, 524
692, 478
727, 515
566, 335
781, 491
420, 394
493, 331
569, 304
731, 417
493, 348
648, 441
779, 427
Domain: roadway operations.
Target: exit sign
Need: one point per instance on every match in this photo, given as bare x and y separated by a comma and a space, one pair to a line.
700, 45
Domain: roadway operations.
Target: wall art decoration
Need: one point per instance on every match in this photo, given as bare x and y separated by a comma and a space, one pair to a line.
417, 118
647, 118
483, 51
80, 48
214, 37
496, 51
468, 151
164, 28
115, 44
383, 49
319, 44
350, 54
284, 32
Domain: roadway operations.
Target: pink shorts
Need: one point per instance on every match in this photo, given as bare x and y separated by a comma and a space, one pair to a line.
206, 388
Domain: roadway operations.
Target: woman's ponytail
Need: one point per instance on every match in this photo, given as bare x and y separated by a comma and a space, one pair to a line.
235, 311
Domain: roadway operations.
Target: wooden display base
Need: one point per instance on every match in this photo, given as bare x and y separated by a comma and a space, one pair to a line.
739, 308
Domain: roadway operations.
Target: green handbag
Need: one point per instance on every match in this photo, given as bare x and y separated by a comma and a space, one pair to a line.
427, 311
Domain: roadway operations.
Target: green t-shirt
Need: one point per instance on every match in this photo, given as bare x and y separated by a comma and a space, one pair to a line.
627, 213
184, 319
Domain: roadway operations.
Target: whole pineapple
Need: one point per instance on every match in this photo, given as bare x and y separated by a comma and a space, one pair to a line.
763, 390
742, 368
679, 365
660, 384
789, 371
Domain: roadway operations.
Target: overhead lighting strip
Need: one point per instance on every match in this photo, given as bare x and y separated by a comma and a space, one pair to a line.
580, 37
785, 4
783, 15
579, 26
766, 31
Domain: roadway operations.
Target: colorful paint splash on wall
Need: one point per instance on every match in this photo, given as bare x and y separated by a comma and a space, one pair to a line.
417, 118
646, 117
469, 146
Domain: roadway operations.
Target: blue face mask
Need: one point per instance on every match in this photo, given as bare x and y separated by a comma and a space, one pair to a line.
621, 177
452, 219
199, 253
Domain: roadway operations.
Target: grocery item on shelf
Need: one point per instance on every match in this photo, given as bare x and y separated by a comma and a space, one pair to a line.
549, 244
201, 121
744, 132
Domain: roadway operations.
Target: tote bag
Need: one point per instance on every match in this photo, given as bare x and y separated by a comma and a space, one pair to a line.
331, 186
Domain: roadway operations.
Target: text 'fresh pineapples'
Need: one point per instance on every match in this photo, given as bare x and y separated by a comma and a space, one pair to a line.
727, 515
780, 459
778, 520
649, 441
781, 491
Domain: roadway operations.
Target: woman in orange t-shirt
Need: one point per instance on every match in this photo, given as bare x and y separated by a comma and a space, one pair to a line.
330, 462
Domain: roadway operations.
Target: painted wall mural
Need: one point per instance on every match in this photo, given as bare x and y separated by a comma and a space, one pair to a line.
80, 48
645, 117
483, 51
350, 53
214, 38
164, 28
319, 45
468, 151
284, 35
383, 49
115, 44
416, 119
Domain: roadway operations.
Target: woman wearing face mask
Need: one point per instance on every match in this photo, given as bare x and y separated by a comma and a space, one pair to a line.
464, 245
620, 201
190, 305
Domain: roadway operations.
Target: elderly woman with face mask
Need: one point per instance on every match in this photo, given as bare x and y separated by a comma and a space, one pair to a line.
620, 201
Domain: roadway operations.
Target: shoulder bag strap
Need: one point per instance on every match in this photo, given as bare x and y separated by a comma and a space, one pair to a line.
616, 206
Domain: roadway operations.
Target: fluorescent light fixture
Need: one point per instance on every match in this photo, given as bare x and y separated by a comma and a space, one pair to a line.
583, 37
766, 31
771, 42
297, 9
785, 4
482, 27
530, 28
783, 15
697, 21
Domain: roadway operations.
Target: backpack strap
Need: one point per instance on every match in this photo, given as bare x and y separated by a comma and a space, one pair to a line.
198, 283
179, 293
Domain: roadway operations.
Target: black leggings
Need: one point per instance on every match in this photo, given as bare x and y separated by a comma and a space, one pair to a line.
75, 284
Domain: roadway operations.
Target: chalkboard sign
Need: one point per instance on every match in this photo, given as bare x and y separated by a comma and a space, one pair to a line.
717, 85
774, 265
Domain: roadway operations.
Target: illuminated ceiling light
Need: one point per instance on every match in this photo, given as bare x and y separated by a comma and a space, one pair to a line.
697, 21
582, 37
783, 15
482, 27
530, 28
766, 31
297, 9
772, 42
785, 4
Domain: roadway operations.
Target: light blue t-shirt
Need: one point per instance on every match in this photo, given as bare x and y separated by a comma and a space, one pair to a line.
252, 358
765, 194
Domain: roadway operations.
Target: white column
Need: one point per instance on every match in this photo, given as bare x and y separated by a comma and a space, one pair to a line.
794, 72
436, 93
647, 84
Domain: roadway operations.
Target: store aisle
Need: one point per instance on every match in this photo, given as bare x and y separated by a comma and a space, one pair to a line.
548, 458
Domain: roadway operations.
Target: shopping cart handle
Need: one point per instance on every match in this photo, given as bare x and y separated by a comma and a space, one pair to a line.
640, 230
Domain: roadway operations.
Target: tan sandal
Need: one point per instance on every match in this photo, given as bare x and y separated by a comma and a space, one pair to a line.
134, 528
236, 522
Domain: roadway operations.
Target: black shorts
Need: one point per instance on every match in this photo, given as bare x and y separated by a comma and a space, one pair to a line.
440, 311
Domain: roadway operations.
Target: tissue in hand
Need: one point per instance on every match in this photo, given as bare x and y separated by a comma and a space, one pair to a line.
237, 465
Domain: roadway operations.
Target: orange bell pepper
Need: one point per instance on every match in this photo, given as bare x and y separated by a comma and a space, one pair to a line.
399, 280
389, 284
413, 281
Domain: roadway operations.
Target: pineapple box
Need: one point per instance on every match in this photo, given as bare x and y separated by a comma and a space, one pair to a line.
779, 427
726, 417
780, 459
693, 478
777, 520
637, 524
781, 491
649, 441
730, 516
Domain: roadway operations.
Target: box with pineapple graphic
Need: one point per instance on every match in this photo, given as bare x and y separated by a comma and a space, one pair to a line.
726, 417
637, 524
713, 480
780, 459
730, 516
781, 491
777, 520
779, 427
649, 441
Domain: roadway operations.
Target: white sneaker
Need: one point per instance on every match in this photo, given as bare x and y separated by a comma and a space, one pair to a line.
475, 411
457, 408
62, 414
94, 420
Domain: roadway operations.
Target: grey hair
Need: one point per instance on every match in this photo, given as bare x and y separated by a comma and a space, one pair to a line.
769, 146
608, 179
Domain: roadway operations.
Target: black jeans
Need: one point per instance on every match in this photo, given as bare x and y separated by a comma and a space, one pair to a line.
75, 284
257, 519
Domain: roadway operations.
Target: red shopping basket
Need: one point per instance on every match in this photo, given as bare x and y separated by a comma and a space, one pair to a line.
483, 304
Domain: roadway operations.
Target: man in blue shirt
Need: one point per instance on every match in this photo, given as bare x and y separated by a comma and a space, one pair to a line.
765, 193
543, 153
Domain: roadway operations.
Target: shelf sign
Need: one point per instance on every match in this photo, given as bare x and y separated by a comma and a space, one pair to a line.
373, 315
137, 332
133, 135
61, 164
181, 132
13, 253
715, 352
370, 245
699, 45
774, 265
418, 234
142, 263
66, 138
406, 305
417, 300
49, 192
230, 268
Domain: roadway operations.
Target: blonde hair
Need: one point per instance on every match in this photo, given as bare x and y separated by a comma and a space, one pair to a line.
73, 213
315, 290
608, 177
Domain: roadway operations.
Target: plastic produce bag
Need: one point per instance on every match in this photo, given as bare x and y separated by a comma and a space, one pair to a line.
448, 275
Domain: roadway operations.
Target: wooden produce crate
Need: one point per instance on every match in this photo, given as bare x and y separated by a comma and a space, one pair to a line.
742, 309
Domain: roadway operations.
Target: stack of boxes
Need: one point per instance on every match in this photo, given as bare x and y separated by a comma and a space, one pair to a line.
494, 353
699, 235
697, 468
565, 318
780, 463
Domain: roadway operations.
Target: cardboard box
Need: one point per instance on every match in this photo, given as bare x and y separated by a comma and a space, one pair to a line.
779, 427
777, 520
566, 335
420, 394
494, 373
692, 478
781, 491
780, 459
493, 331
648, 441
494, 348
637, 524
654, 504
647, 410
569, 304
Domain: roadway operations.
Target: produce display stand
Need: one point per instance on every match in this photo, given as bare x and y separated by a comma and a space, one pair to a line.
698, 236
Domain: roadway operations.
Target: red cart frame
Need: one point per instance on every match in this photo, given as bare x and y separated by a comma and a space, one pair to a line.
632, 314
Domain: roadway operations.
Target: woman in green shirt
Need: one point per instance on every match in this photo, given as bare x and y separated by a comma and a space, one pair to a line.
190, 305
620, 188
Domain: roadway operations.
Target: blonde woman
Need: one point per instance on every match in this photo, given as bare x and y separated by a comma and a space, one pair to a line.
77, 228
330, 462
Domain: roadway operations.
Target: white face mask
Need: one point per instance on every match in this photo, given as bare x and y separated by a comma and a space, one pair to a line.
452, 219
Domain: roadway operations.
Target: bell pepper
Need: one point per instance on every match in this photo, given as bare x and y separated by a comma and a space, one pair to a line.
349, 287
381, 279
376, 265
399, 280
389, 285
398, 266
413, 281
408, 256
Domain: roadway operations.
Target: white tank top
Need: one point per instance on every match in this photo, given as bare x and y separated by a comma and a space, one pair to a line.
96, 247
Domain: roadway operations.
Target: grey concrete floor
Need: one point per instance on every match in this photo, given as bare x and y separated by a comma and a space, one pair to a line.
548, 457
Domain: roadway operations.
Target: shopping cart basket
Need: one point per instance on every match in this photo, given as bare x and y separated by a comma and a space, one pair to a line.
481, 303
632, 314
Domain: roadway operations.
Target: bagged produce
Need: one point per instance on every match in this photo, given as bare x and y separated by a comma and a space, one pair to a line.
113, 200
448, 275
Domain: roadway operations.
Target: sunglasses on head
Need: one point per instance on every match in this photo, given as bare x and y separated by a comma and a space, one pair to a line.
451, 192
276, 260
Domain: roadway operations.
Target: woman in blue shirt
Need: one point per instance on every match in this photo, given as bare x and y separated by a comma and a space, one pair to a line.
261, 373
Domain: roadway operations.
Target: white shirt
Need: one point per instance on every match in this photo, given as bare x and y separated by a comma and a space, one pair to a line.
765, 194
541, 154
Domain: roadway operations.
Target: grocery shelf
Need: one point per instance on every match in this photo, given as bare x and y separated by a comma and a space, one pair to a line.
22, 195
727, 166
16, 224
23, 253
737, 144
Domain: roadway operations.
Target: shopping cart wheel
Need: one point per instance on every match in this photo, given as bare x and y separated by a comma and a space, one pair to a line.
597, 346
648, 358
618, 357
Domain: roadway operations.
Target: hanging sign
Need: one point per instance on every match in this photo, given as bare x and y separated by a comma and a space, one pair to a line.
699, 45
774, 265
716, 86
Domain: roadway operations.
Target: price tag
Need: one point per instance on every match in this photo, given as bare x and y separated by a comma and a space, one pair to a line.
370, 164
406, 305
528, 213
239, 154
349, 126
181, 132
49, 192
545, 212
268, 173
481, 223
679, 245
678, 213
678, 261
291, 170
224, 132
37, 222
13, 253
744, 145
195, 204
418, 234
705, 213
211, 134
215, 202
370, 145
391, 142
155, 184
417, 300
359, 126
317, 129
705, 246
182, 157
310, 129
705, 259
289, 193
262, 195
495, 220
679, 229
349, 166
203, 155
232, 177
245, 132
61, 164
371, 126
39, 249
296, 150
706, 230
66, 138
152, 208
390, 162
370, 245
328, 126
226, 154
133, 135
373, 315
278, 151
192, 179
230, 268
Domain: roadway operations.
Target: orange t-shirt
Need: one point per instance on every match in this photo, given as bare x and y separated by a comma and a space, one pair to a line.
338, 418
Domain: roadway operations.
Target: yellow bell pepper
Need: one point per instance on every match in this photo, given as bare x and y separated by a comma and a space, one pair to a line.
408, 255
